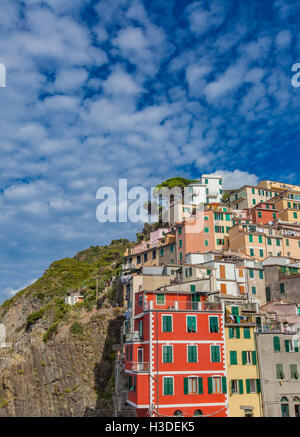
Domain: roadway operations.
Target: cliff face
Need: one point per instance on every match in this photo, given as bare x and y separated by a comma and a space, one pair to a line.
61, 358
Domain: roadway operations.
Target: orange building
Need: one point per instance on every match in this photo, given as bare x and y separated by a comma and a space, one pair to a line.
263, 213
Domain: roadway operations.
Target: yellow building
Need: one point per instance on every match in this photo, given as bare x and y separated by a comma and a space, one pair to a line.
288, 205
272, 185
244, 388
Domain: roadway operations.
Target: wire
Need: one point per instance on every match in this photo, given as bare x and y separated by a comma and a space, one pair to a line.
186, 414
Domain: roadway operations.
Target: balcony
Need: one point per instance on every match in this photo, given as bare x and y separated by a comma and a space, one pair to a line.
133, 337
184, 306
213, 194
239, 320
139, 367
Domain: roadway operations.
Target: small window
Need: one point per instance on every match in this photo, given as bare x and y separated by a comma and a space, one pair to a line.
168, 385
167, 354
198, 413
213, 324
178, 413
192, 354
167, 323
191, 322
160, 299
215, 354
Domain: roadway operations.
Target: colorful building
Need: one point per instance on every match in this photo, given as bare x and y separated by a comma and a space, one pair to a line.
244, 388
175, 357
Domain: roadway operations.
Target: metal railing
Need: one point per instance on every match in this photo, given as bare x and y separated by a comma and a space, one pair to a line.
139, 367
132, 337
184, 306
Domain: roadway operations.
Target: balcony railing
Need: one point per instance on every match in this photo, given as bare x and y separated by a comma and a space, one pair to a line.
184, 306
276, 329
139, 367
131, 337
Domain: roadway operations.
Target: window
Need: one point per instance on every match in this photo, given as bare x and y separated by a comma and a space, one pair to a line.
279, 371
260, 239
138, 259
167, 354
206, 217
251, 252
261, 252
180, 243
291, 346
251, 273
247, 333
178, 413
167, 323
141, 329
253, 386
180, 256
234, 332
233, 357
179, 230
192, 354
145, 257
281, 285
276, 344
269, 242
191, 322
259, 214
268, 294
172, 248
284, 407
250, 238
294, 371
192, 385
274, 215
277, 242
206, 243
162, 252
253, 190
213, 324
160, 299
168, 385
131, 383
253, 290
154, 254
198, 413
236, 386
295, 215
248, 357
215, 354
206, 230
261, 274
217, 384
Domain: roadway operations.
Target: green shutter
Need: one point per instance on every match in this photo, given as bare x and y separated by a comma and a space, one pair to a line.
230, 332
200, 386
287, 345
253, 357
248, 385
258, 387
244, 357
276, 343
237, 332
296, 347
246, 332
215, 354
233, 357
186, 386
241, 387
224, 384
209, 385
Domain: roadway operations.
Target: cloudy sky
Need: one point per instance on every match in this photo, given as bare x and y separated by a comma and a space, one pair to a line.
143, 90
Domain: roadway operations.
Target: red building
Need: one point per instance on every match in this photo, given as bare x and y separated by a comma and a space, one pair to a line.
175, 357
263, 213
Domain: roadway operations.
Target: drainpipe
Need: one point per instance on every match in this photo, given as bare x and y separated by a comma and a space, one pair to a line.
258, 365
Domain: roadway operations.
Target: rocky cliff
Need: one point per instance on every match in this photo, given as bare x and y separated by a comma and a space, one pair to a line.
60, 361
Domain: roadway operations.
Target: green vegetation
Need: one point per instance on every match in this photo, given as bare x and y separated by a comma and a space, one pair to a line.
175, 182
76, 328
34, 317
77, 274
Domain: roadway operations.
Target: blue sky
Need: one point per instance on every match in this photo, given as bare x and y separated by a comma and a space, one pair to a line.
143, 90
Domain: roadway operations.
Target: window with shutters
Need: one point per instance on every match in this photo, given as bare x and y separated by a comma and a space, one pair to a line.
193, 385
276, 344
167, 354
168, 385
160, 299
291, 346
261, 274
281, 285
284, 406
215, 356
213, 324
192, 354
234, 386
234, 332
233, 357
294, 371
217, 384
191, 322
251, 385
247, 333
279, 371
167, 323
251, 273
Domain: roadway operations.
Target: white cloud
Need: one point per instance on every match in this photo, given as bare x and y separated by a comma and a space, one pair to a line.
236, 178
283, 39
